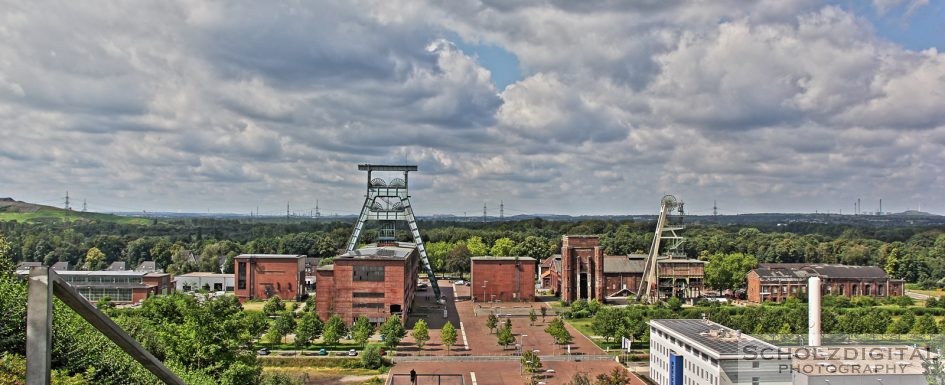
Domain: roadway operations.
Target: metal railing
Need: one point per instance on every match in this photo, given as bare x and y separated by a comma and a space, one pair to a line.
43, 285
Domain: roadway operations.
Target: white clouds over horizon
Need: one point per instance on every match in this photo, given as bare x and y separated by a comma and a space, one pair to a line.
763, 106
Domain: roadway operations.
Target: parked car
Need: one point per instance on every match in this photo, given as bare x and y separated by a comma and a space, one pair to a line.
352, 352
263, 352
322, 352
459, 282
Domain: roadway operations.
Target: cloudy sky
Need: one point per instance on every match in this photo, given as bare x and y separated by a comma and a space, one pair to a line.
550, 106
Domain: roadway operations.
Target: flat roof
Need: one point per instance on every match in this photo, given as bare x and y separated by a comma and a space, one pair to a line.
205, 274
270, 256
713, 338
401, 251
491, 258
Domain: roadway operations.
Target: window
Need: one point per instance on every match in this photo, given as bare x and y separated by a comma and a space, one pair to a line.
368, 305
368, 273
368, 295
241, 276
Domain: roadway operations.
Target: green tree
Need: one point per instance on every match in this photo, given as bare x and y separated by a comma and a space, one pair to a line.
618, 376
531, 362
6, 257
924, 325
606, 322
544, 312
502, 247
448, 336
362, 330
94, 259
371, 357
674, 304
309, 328
535, 247
420, 333
580, 378
532, 316
284, 324
273, 306
902, 325
505, 336
491, 322
334, 329
728, 271
392, 330
559, 332
458, 258
476, 246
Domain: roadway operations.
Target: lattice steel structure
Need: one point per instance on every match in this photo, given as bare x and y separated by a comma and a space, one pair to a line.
388, 202
666, 228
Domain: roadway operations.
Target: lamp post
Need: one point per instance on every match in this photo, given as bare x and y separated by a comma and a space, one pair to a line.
484, 284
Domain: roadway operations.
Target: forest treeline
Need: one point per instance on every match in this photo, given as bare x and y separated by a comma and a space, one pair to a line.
916, 254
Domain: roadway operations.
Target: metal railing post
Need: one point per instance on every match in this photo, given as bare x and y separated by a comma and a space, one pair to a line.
39, 315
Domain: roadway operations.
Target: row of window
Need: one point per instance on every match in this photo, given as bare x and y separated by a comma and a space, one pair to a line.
93, 294
368, 273
371, 305
368, 295
80, 279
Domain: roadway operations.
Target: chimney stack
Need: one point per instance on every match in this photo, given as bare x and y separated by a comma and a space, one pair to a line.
813, 316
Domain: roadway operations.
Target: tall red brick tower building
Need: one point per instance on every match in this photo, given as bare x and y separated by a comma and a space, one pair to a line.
582, 265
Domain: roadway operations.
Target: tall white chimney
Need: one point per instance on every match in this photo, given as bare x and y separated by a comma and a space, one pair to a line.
813, 308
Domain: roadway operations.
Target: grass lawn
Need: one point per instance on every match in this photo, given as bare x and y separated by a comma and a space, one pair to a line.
583, 325
258, 305
47, 214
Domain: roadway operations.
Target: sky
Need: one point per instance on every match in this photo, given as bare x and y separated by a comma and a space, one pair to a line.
554, 106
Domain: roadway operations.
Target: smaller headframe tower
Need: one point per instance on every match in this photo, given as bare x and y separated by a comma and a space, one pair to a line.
665, 232
389, 202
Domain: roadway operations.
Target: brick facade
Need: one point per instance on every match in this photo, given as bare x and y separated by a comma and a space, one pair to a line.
261, 276
352, 286
582, 267
503, 279
777, 282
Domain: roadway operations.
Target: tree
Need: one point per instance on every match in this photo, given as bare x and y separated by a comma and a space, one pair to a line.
448, 336
924, 325
94, 259
272, 335
491, 322
508, 322
284, 324
535, 247
362, 330
420, 333
392, 331
902, 325
6, 257
334, 329
674, 304
531, 362
580, 378
476, 246
559, 332
273, 306
728, 271
254, 322
505, 336
309, 328
606, 322
502, 247
618, 376
544, 312
371, 357
532, 316
458, 258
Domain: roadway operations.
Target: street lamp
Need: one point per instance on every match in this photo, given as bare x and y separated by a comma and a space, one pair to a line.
484, 283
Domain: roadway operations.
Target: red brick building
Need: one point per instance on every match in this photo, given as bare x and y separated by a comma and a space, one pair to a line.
582, 271
260, 276
779, 281
375, 281
507, 279
121, 287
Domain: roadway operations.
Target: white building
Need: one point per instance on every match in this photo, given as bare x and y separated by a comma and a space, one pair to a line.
702, 352
204, 281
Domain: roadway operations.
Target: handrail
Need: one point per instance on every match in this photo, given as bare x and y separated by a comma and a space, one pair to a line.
43, 284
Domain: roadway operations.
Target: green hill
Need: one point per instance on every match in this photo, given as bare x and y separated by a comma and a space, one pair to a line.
13, 210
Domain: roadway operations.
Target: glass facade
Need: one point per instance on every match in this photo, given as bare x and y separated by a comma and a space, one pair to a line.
93, 294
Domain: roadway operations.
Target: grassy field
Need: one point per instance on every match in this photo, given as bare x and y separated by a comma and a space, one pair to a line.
54, 214
258, 305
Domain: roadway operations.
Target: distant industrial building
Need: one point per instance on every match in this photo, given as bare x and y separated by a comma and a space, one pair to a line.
779, 281
375, 281
504, 279
204, 281
582, 271
120, 286
702, 352
261, 276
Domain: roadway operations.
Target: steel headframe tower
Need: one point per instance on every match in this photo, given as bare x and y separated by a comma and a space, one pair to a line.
389, 202
649, 286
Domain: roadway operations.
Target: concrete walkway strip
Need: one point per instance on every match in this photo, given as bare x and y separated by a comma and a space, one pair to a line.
463, 330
